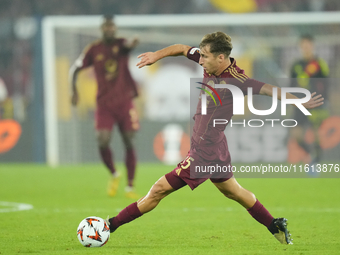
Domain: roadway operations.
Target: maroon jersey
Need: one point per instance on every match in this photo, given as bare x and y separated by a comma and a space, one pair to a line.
204, 133
110, 62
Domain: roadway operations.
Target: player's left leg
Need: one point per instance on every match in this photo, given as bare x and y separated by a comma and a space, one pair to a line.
103, 139
130, 158
104, 121
128, 125
316, 120
317, 147
298, 134
315, 153
130, 162
158, 191
233, 190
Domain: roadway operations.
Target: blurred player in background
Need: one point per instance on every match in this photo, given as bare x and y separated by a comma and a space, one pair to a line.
208, 143
114, 101
310, 72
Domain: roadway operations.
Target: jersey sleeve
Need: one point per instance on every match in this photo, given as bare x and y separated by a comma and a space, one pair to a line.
293, 75
124, 49
85, 59
194, 54
324, 68
255, 84
245, 82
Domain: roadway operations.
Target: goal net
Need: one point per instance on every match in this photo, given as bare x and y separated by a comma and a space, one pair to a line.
265, 45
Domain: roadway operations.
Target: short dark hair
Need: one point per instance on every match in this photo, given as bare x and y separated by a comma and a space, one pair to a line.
108, 17
308, 37
220, 43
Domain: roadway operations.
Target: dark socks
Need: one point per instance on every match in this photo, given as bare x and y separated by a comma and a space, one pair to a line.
261, 214
128, 214
107, 158
130, 162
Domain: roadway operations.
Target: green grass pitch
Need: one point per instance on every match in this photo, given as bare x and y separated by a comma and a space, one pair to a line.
186, 222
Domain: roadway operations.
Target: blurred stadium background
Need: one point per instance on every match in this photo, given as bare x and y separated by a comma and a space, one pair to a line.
41, 39
42, 205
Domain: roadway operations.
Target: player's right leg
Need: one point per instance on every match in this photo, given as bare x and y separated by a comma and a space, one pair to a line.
298, 134
316, 119
158, 191
317, 148
130, 162
233, 190
103, 140
104, 121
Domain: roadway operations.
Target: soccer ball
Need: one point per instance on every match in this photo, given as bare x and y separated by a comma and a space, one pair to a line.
93, 232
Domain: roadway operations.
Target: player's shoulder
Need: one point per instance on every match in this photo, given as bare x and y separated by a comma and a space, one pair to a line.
91, 45
234, 71
96, 43
321, 61
120, 41
234, 68
323, 66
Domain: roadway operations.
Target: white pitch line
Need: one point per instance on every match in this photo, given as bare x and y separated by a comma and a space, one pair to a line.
14, 207
180, 209
277, 209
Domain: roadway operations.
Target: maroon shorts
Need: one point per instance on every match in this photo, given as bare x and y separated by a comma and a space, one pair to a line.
125, 116
182, 175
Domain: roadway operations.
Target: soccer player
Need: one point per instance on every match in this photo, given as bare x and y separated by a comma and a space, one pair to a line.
208, 143
114, 101
310, 73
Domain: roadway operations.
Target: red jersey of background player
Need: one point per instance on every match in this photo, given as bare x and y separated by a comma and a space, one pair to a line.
110, 62
203, 132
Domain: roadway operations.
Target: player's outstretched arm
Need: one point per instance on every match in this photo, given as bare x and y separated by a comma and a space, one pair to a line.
74, 70
315, 101
133, 44
148, 58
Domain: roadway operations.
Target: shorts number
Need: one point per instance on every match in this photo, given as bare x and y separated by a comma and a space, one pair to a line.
185, 163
